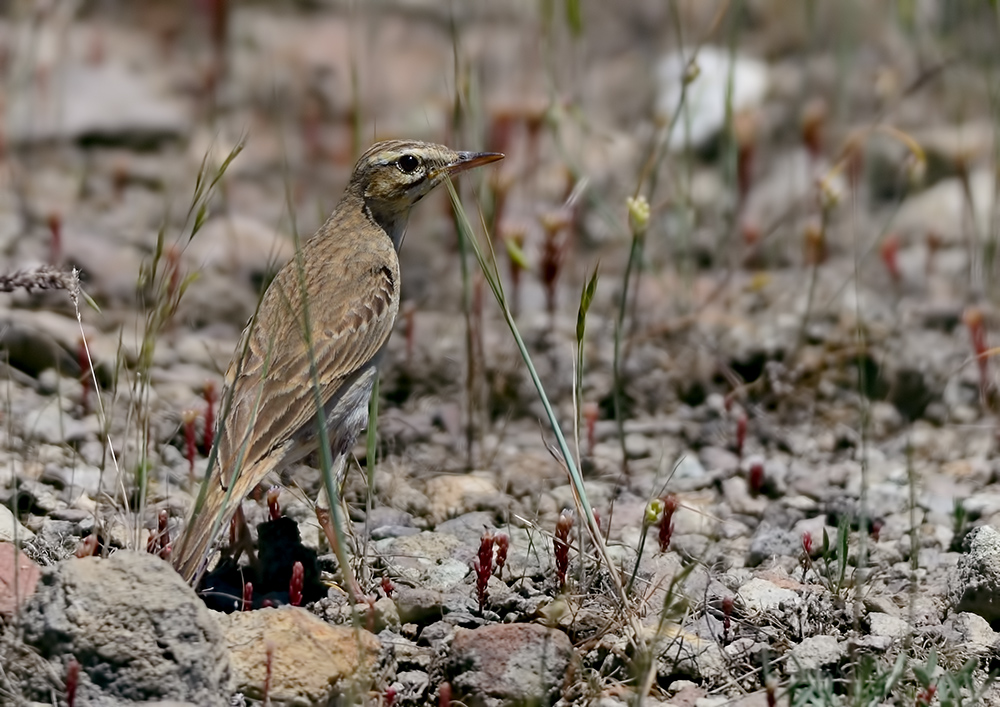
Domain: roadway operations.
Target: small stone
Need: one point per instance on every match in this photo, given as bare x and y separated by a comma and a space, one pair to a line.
941, 209
970, 630
688, 467
769, 541
415, 605
411, 686
509, 664
759, 595
818, 652
427, 560
637, 446
386, 614
884, 625
452, 495
738, 496
718, 459
694, 657
11, 530
18, 578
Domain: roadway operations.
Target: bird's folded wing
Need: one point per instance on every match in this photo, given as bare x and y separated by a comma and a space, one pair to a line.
274, 391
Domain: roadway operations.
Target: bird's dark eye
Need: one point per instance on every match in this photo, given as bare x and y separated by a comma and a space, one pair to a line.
408, 164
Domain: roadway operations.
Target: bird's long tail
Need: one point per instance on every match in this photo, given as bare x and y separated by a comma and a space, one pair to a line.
211, 516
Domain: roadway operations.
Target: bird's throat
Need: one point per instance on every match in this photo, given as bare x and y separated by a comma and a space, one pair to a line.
392, 221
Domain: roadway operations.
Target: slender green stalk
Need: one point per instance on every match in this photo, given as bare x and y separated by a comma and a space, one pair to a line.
491, 273
371, 449
618, 380
911, 481
586, 298
471, 370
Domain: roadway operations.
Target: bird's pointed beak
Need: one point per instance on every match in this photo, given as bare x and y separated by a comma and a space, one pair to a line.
468, 160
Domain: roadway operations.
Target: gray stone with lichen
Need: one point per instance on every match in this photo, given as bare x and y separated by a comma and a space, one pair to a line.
139, 633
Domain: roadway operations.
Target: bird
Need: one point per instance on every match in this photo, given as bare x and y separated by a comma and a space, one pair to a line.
318, 336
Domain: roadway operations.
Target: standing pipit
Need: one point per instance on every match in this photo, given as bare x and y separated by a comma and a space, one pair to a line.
325, 318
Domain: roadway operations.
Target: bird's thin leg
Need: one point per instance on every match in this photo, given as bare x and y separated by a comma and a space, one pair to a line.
326, 523
240, 540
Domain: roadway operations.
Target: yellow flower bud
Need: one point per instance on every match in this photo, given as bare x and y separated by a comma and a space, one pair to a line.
638, 213
654, 509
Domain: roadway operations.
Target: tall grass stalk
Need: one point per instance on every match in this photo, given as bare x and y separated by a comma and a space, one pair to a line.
371, 449
472, 367
586, 298
618, 379
491, 273
168, 287
864, 414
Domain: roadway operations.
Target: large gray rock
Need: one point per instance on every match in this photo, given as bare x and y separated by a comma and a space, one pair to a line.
976, 588
137, 630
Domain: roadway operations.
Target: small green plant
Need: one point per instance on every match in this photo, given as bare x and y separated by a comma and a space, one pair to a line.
870, 685
951, 688
833, 572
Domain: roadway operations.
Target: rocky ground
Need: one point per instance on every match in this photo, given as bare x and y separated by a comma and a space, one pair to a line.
800, 497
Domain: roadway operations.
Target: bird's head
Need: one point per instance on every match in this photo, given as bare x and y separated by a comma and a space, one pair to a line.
394, 175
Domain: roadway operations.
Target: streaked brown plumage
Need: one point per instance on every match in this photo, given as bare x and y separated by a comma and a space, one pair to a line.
341, 293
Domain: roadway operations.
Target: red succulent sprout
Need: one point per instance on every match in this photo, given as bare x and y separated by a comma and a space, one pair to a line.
273, 508
727, 613
72, 681
159, 540
889, 252
975, 322
502, 546
756, 477
296, 583
483, 566
812, 127
554, 224
561, 546
666, 524
88, 548
444, 695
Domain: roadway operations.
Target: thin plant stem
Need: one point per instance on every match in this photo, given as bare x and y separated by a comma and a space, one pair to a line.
618, 378
491, 273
